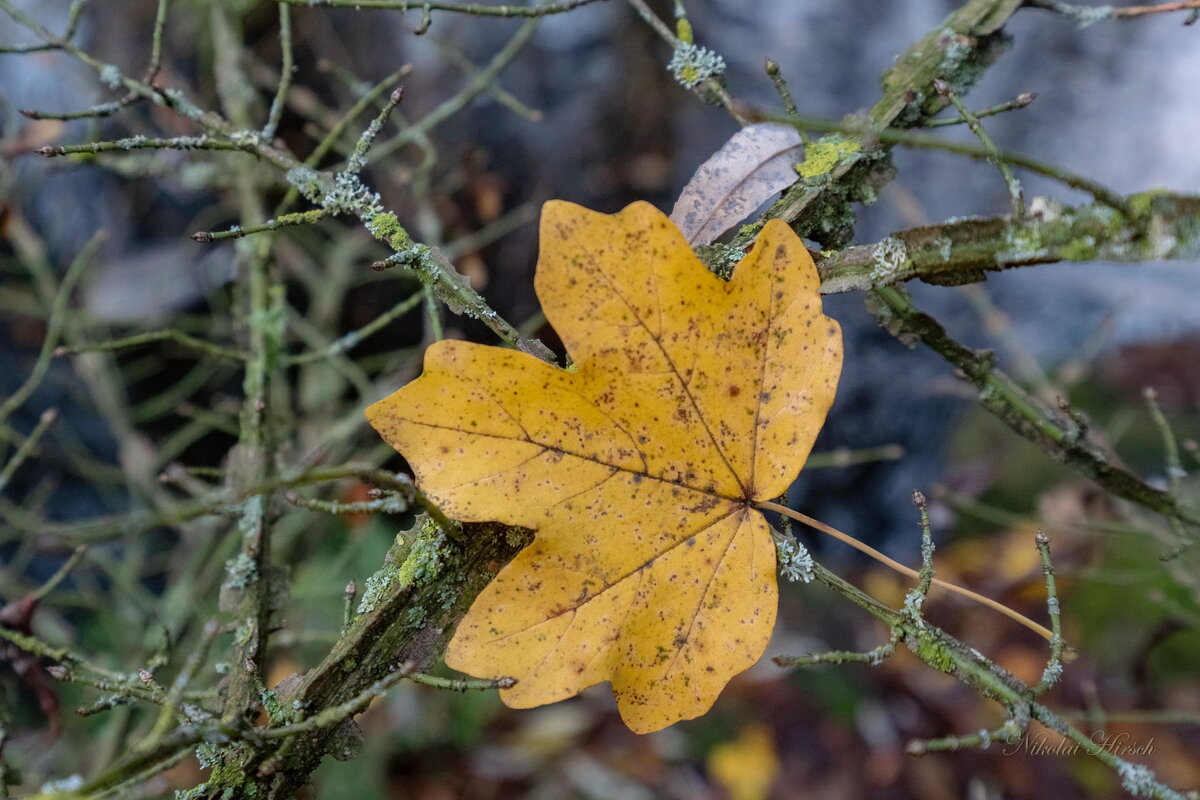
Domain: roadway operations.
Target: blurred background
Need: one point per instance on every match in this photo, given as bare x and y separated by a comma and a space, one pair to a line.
587, 112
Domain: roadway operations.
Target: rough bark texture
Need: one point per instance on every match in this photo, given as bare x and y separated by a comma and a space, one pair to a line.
407, 613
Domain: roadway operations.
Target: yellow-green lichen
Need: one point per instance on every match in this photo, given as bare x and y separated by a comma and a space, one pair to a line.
276, 713
1142, 203
379, 585
386, 228
822, 156
720, 258
428, 550
1022, 243
1080, 249
683, 31
932, 652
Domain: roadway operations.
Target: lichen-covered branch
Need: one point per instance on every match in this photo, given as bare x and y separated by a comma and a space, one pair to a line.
473, 9
962, 251
430, 264
842, 170
947, 654
1083, 16
407, 612
252, 591
1058, 434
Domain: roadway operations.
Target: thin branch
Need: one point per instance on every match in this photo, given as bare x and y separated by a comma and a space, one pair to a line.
26, 447
390, 503
364, 102
60, 574
785, 95
482, 237
478, 85
98, 111
1022, 412
187, 673
654, 21
1175, 471
285, 73
846, 538
54, 329
283, 221
995, 157
922, 141
352, 339
167, 335
358, 159
73, 15
147, 143
461, 8
845, 457
1175, 475
498, 93
1088, 15
1020, 101
1054, 668
460, 684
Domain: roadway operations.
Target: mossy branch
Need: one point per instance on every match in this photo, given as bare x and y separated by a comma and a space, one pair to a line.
430, 264
958, 51
404, 619
1058, 434
945, 653
472, 9
954, 253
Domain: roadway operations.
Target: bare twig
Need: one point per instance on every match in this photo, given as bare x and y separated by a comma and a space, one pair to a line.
472, 9
1020, 101
26, 447
994, 155
140, 339
1088, 15
58, 320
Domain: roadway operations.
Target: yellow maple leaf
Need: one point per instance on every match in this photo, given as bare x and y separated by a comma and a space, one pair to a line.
693, 399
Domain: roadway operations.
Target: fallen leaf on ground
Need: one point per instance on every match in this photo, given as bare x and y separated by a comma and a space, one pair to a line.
692, 398
746, 766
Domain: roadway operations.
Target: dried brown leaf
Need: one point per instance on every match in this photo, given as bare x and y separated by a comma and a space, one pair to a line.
754, 164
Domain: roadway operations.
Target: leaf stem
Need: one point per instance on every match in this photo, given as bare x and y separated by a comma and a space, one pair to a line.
846, 538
